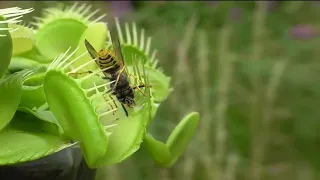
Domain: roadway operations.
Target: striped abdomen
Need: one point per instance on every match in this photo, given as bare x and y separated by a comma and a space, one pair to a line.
108, 59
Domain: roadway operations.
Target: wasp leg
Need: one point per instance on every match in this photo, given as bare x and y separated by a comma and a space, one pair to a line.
115, 120
114, 102
125, 110
109, 91
105, 77
116, 108
88, 72
115, 85
138, 87
141, 86
149, 86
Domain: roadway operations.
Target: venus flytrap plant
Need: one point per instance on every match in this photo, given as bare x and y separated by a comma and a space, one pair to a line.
74, 108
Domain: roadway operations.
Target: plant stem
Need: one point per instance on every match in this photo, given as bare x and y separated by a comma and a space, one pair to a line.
184, 77
225, 75
183, 68
232, 163
205, 126
256, 109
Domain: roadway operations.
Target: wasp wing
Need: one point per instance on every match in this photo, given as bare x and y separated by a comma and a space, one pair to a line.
93, 53
117, 47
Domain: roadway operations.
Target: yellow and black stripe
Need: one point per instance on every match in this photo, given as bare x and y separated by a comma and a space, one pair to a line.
106, 59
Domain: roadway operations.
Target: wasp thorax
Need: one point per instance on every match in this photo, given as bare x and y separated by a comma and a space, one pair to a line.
102, 53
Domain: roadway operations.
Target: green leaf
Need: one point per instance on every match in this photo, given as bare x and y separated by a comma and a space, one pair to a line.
62, 27
167, 154
22, 39
160, 84
10, 95
30, 121
42, 115
5, 48
35, 55
134, 44
158, 150
24, 140
127, 136
76, 115
57, 36
181, 136
36, 79
19, 63
32, 96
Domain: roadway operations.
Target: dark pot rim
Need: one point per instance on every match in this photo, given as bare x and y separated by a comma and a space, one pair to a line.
67, 164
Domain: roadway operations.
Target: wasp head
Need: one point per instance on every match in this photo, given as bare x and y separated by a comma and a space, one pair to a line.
130, 101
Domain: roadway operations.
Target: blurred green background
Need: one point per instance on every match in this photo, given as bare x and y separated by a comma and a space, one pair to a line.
252, 71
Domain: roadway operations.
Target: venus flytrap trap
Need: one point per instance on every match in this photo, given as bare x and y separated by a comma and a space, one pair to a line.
8, 16
58, 29
67, 99
165, 154
9, 103
23, 138
139, 45
5, 50
74, 110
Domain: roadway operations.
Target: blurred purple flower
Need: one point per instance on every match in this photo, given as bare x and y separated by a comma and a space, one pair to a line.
213, 3
236, 13
272, 5
304, 32
121, 8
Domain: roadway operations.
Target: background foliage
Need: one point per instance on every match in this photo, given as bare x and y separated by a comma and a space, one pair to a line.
251, 71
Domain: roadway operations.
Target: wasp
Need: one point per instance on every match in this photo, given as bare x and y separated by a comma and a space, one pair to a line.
115, 71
